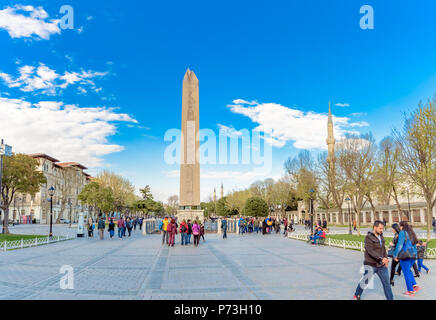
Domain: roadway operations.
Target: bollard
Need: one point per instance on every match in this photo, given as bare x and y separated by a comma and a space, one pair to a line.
22, 243
144, 226
219, 231
344, 243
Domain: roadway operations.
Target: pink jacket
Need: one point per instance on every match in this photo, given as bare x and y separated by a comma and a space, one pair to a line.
196, 229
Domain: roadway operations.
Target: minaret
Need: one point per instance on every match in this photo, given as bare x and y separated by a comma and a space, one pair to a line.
330, 138
222, 191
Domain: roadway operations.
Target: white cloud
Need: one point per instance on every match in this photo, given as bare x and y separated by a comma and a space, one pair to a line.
229, 130
342, 105
48, 81
241, 101
66, 132
27, 21
308, 130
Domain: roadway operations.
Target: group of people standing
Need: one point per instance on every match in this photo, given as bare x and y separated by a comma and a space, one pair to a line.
123, 223
405, 249
170, 228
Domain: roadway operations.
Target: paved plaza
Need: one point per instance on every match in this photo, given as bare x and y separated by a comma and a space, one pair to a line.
242, 267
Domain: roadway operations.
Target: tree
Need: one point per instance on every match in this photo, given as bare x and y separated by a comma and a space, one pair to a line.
417, 142
221, 207
302, 173
357, 159
282, 195
98, 197
123, 191
173, 202
256, 207
20, 175
236, 200
146, 193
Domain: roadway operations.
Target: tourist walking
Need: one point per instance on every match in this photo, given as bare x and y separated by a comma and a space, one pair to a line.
183, 232
196, 233
395, 230
111, 228
420, 248
202, 231
434, 224
172, 231
129, 226
124, 226
189, 233
90, 228
376, 261
164, 227
224, 227
140, 223
101, 226
405, 252
120, 224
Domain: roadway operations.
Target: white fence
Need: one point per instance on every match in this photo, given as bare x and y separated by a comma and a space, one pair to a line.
37, 241
347, 244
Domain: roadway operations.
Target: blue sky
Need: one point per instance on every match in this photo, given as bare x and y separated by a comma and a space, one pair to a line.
105, 93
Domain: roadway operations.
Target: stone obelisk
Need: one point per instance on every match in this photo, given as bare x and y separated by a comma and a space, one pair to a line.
189, 203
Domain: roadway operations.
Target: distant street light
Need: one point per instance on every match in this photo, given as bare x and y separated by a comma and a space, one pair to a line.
349, 214
51, 192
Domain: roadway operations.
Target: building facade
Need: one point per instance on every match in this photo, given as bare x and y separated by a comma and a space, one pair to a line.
68, 179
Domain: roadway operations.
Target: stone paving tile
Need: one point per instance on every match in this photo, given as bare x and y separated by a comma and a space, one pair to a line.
241, 267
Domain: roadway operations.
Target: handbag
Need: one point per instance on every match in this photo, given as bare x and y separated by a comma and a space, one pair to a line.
407, 251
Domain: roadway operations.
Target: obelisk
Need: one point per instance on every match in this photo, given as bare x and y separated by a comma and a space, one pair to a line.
189, 203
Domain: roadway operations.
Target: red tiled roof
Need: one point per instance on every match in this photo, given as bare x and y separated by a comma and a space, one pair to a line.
43, 155
71, 164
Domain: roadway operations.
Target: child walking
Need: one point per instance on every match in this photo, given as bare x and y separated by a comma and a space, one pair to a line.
421, 247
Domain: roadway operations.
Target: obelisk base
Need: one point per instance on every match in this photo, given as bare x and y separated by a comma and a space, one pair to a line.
190, 214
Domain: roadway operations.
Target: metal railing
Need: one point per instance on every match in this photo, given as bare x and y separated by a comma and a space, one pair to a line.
347, 244
150, 226
37, 241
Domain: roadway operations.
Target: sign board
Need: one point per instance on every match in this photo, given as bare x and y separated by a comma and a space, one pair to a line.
5, 150
80, 226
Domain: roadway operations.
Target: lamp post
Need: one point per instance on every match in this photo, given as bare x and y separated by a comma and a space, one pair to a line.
311, 209
349, 215
70, 204
51, 192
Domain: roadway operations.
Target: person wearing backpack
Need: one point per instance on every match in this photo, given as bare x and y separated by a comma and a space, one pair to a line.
164, 230
183, 232
172, 231
129, 226
101, 226
189, 233
196, 233
224, 227
406, 253
111, 228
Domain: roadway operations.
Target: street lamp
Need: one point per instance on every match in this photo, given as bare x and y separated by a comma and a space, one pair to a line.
51, 192
311, 191
349, 214
70, 204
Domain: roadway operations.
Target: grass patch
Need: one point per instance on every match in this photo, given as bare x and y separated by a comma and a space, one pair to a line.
361, 238
14, 237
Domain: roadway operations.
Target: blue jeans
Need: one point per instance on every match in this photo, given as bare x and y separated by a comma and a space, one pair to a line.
406, 266
188, 237
314, 238
183, 235
421, 265
383, 274
224, 233
120, 232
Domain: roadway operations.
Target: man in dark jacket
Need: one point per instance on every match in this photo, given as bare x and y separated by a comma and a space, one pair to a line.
224, 227
101, 226
376, 261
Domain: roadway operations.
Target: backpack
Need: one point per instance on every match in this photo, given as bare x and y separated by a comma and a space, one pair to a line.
160, 225
169, 227
183, 228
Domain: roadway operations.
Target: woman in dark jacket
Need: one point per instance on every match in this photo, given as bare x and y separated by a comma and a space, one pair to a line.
393, 244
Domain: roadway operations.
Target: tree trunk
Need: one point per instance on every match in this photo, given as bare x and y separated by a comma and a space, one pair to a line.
5, 220
429, 219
